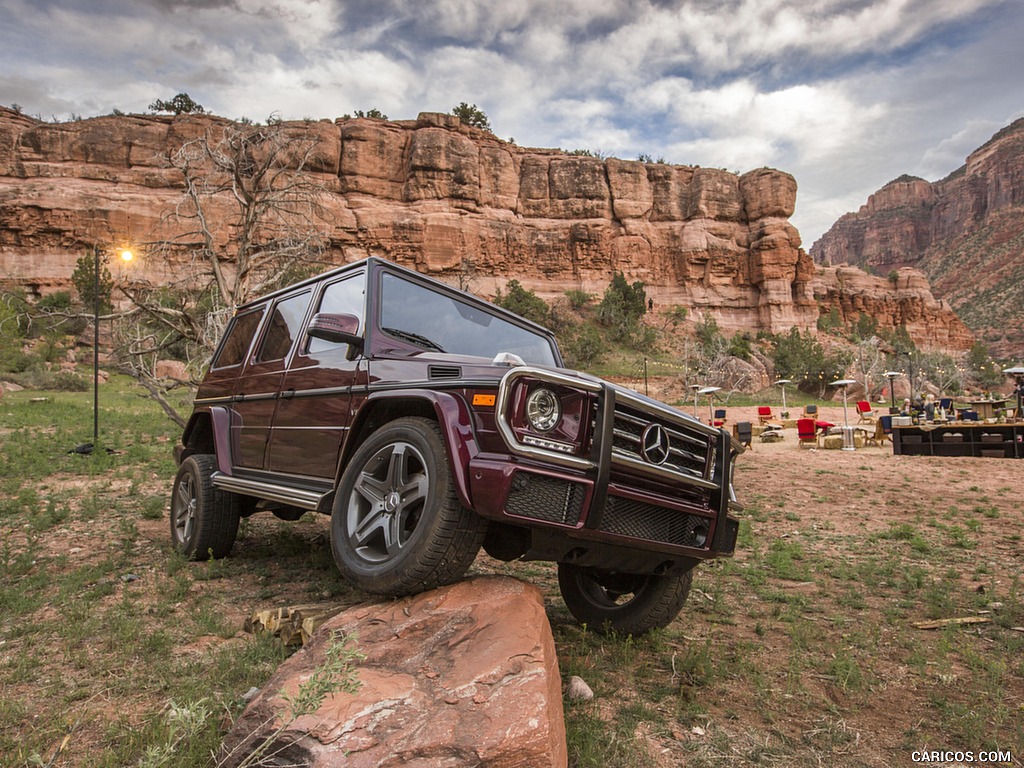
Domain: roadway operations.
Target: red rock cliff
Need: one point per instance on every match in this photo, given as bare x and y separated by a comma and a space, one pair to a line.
965, 233
436, 195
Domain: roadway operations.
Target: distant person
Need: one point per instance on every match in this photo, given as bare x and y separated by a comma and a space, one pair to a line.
929, 407
906, 409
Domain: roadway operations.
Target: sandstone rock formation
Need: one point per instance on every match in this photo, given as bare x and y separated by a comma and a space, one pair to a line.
462, 675
965, 233
903, 299
441, 197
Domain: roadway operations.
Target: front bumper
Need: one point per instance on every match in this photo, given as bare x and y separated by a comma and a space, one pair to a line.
615, 494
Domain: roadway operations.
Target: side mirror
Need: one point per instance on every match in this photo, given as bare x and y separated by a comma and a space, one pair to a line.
338, 329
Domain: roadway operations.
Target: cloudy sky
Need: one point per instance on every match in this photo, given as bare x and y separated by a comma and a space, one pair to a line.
844, 94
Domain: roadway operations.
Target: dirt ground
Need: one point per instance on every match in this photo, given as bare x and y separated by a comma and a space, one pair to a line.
955, 525
799, 651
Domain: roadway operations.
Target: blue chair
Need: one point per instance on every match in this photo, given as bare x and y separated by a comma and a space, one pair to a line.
969, 415
719, 420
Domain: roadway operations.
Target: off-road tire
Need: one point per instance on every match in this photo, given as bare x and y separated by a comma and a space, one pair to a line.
626, 604
204, 519
397, 526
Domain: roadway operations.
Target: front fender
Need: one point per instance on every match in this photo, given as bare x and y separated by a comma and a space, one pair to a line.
452, 414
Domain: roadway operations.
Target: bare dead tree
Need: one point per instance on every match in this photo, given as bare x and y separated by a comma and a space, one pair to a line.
869, 362
250, 220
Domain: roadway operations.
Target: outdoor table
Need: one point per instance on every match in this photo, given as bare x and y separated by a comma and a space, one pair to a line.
987, 408
965, 438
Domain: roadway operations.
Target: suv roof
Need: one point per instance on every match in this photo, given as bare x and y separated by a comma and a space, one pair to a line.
375, 263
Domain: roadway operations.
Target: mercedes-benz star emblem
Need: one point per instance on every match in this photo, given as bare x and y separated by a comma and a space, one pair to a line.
655, 444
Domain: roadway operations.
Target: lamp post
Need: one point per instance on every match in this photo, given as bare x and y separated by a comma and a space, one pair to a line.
696, 392
848, 444
782, 383
126, 256
910, 369
1018, 373
891, 376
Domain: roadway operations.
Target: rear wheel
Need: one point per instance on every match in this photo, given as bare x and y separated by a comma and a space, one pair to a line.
397, 526
204, 519
626, 603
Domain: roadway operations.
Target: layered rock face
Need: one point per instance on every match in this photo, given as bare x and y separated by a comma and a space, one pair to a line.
965, 233
443, 198
902, 300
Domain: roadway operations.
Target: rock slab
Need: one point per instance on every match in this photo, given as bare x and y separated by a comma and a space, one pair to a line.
464, 675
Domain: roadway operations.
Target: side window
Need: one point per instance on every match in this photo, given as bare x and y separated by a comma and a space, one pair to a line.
344, 297
284, 327
237, 340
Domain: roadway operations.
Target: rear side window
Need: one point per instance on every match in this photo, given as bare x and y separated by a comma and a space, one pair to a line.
284, 327
238, 339
343, 297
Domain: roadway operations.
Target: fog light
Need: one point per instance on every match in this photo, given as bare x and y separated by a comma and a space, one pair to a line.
700, 536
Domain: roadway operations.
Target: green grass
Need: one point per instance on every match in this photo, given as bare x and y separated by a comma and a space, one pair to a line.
784, 655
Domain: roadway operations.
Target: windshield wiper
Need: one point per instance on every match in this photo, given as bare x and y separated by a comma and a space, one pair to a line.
415, 338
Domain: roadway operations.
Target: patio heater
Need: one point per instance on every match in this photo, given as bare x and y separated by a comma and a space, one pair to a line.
696, 393
848, 443
1018, 373
710, 392
891, 376
782, 383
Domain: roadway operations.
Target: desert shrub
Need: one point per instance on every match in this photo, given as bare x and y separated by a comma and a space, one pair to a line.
739, 346
39, 376
578, 299
471, 114
830, 321
523, 302
583, 347
802, 358
867, 327
622, 307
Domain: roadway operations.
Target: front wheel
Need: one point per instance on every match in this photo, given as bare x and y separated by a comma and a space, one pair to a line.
397, 526
204, 519
626, 603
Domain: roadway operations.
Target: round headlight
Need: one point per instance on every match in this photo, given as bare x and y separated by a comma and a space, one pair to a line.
543, 410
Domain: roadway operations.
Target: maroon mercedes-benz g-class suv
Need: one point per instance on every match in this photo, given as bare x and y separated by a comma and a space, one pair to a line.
428, 423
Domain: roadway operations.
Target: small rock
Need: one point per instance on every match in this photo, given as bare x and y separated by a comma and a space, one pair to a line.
251, 694
578, 690
129, 577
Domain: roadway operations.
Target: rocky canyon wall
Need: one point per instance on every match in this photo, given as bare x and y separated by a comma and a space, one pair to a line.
444, 198
965, 233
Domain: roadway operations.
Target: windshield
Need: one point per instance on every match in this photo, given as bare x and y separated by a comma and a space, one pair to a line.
441, 323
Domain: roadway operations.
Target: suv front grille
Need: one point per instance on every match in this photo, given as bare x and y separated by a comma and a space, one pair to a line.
637, 520
544, 498
688, 452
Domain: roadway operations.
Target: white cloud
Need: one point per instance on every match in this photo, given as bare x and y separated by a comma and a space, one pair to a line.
843, 94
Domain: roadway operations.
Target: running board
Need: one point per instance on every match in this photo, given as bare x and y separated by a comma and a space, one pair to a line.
272, 491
